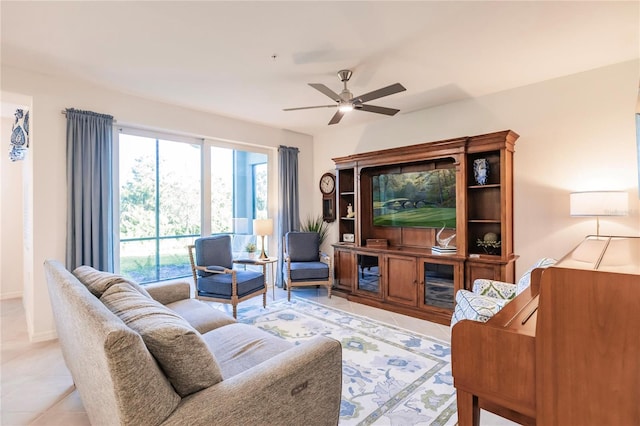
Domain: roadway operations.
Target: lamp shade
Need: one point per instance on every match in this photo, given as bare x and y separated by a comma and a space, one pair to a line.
599, 203
263, 226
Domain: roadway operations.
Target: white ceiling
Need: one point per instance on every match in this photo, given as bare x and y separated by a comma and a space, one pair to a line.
217, 56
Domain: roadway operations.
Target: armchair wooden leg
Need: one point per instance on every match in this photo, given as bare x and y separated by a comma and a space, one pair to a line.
289, 292
329, 291
264, 299
235, 311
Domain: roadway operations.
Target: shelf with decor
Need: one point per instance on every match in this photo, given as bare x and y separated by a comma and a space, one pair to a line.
410, 199
346, 197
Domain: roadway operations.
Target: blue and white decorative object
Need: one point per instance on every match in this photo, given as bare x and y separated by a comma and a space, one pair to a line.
19, 136
481, 170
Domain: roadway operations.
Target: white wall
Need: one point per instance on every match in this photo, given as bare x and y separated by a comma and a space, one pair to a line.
46, 186
11, 246
576, 133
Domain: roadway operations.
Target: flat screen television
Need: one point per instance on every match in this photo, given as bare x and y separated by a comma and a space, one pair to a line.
424, 199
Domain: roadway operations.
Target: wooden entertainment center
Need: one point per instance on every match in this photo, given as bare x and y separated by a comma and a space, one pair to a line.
393, 266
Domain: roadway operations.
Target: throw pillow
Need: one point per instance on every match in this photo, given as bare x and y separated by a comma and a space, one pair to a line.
99, 281
474, 307
525, 280
175, 344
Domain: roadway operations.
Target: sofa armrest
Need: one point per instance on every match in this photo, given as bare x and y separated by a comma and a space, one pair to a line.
166, 293
495, 289
301, 384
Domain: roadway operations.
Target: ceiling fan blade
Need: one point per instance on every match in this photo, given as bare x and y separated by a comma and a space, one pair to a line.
378, 109
310, 107
385, 91
324, 89
336, 117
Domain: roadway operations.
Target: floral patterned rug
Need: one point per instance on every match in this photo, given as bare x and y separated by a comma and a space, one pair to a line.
390, 376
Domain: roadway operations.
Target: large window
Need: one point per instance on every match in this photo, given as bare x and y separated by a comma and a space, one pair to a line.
161, 200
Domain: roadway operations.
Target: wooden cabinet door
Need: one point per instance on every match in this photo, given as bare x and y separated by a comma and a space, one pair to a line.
440, 279
368, 281
344, 268
401, 280
488, 271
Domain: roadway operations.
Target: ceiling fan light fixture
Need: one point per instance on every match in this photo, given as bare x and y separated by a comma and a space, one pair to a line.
345, 106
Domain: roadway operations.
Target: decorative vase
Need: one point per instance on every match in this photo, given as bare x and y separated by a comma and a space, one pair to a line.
481, 170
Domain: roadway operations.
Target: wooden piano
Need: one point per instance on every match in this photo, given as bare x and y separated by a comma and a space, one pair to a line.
566, 351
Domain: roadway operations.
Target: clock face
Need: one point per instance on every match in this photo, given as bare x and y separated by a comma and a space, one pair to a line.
327, 183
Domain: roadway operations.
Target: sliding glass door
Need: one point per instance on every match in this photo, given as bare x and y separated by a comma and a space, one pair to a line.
159, 206
163, 207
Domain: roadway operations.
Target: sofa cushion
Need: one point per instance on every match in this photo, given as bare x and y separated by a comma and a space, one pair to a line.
239, 347
176, 345
214, 250
475, 307
219, 285
303, 246
99, 281
309, 271
200, 315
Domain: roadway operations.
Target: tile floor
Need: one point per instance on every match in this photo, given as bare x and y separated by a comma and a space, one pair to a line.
36, 388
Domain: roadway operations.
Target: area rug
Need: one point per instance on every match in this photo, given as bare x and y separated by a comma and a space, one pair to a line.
390, 376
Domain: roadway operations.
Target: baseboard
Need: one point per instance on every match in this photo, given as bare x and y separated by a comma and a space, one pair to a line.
43, 336
11, 295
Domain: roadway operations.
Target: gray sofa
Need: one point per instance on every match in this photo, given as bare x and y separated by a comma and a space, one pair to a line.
149, 355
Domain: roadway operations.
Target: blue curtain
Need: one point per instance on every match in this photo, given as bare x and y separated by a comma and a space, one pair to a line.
89, 190
289, 210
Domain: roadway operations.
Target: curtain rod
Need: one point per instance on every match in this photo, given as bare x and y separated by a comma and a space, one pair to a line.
64, 112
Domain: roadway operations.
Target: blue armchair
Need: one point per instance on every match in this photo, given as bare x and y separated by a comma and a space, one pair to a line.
214, 276
489, 296
304, 265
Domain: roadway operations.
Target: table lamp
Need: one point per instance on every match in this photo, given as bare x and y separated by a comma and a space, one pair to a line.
599, 203
263, 227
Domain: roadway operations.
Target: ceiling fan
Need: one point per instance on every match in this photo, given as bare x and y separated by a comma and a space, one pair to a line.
345, 101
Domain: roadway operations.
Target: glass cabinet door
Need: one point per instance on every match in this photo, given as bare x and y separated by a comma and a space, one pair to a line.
368, 274
439, 285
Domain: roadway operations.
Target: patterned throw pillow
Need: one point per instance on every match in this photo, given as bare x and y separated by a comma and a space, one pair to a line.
525, 281
179, 349
492, 288
474, 307
98, 281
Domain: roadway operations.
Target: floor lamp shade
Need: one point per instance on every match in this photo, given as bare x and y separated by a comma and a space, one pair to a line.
263, 227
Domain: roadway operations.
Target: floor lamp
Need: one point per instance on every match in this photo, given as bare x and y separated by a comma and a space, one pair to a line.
263, 227
599, 203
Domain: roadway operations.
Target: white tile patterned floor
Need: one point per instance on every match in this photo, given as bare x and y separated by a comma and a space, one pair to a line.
36, 387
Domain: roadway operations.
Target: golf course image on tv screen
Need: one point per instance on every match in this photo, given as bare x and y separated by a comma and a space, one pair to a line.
425, 199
